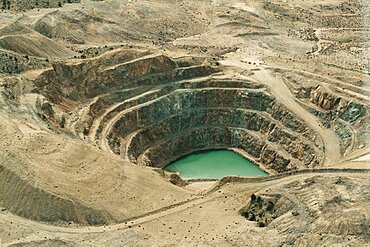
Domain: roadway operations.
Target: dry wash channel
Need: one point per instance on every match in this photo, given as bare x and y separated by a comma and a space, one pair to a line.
152, 109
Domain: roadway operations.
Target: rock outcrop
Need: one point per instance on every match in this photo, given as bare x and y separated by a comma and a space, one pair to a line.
154, 109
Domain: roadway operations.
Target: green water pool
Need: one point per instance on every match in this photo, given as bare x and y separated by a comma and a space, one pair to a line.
214, 164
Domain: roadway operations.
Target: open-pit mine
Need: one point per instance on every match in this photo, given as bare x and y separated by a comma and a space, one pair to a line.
184, 123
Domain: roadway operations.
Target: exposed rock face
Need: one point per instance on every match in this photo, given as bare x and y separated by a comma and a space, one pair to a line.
346, 110
324, 99
177, 180
154, 111
71, 137
343, 115
340, 105
256, 133
122, 70
321, 204
265, 208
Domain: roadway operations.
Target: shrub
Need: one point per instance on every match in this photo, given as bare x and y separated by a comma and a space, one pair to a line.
261, 224
253, 197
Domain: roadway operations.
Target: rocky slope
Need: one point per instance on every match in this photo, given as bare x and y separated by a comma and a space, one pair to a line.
150, 103
97, 96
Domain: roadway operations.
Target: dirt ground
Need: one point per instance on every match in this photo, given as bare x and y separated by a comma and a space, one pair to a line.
68, 76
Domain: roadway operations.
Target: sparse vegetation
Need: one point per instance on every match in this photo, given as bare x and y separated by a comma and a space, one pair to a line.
22, 5
262, 209
10, 64
96, 98
97, 51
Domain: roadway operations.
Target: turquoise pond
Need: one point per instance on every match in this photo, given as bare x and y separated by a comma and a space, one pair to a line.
214, 164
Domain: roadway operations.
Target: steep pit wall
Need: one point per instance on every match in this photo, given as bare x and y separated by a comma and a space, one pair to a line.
153, 109
238, 124
340, 101
111, 72
349, 118
217, 137
346, 109
146, 94
188, 120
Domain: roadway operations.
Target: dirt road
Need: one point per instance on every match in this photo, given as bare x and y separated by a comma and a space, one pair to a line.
282, 93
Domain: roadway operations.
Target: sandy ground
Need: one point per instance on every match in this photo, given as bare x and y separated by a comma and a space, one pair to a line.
210, 220
291, 47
